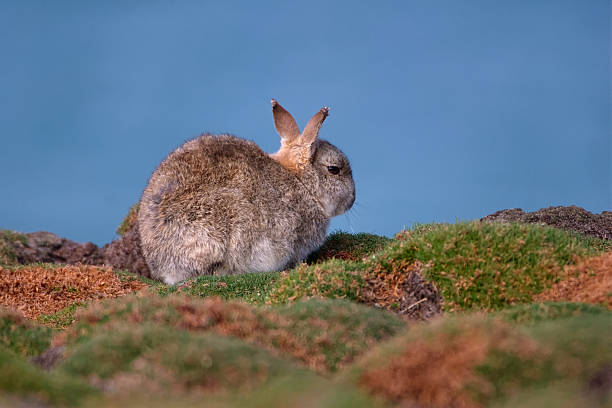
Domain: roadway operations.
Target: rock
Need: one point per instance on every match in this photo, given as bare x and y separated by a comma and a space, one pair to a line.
570, 218
43, 246
125, 253
46, 247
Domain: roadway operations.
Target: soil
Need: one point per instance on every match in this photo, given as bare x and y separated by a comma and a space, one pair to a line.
571, 218
403, 291
590, 281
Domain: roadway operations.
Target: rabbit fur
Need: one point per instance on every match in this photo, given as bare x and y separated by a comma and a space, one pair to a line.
220, 205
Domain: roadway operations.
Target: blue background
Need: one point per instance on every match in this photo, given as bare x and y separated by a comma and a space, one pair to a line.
447, 110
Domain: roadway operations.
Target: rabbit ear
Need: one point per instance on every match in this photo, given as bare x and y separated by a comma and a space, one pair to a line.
284, 123
296, 151
311, 131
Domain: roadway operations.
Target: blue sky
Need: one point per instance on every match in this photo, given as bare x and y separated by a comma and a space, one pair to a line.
447, 110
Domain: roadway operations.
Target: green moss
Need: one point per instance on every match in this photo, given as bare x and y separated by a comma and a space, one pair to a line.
21, 335
343, 245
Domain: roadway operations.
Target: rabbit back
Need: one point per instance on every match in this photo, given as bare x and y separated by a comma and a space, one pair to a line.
220, 205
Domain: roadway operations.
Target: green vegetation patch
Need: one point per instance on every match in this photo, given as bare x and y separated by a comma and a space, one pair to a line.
534, 313
488, 265
62, 318
479, 361
147, 358
250, 287
23, 382
350, 247
321, 334
296, 389
331, 279
21, 335
475, 265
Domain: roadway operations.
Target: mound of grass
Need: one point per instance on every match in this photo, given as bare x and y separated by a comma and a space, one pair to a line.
534, 313
299, 389
350, 247
331, 279
153, 359
474, 361
23, 382
475, 265
487, 265
22, 336
321, 334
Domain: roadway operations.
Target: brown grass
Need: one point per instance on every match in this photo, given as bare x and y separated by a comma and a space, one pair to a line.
38, 290
438, 370
590, 281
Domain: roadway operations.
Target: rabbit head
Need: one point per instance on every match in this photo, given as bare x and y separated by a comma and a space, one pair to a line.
320, 166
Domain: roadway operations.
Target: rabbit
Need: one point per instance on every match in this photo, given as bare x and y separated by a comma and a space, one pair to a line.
219, 205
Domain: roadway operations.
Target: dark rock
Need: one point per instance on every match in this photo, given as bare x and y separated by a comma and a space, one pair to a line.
43, 246
125, 253
570, 218
46, 247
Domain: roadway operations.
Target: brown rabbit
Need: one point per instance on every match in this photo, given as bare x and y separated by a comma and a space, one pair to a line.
220, 205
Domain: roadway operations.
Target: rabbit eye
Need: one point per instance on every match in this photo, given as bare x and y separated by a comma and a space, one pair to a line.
333, 169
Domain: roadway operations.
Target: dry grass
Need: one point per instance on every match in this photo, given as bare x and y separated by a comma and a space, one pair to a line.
590, 281
438, 370
38, 290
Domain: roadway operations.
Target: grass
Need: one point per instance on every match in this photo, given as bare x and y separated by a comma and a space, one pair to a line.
534, 313
331, 279
298, 338
475, 265
473, 361
158, 359
23, 382
22, 336
63, 318
252, 288
489, 265
353, 247
321, 334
